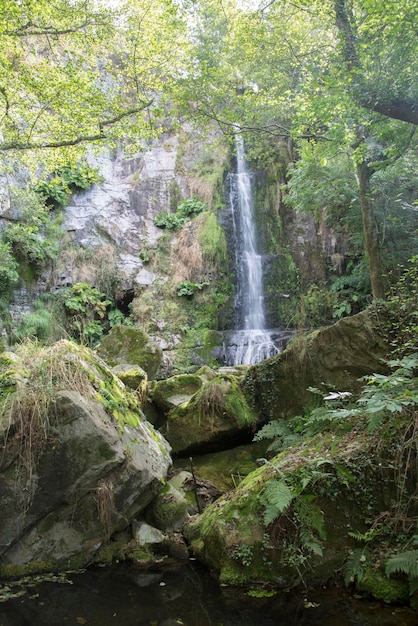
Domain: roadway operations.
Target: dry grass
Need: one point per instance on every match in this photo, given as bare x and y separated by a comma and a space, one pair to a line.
97, 269
30, 411
210, 401
187, 255
104, 498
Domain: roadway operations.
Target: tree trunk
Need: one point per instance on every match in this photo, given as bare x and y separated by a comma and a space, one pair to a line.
371, 235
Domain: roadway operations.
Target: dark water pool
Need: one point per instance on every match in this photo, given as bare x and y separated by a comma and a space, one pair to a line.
125, 596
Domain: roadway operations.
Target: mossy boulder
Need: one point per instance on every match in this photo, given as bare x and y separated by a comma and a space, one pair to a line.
79, 459
333, 357
126, 344
168, 394
134, 378
294, 520
169, 510
225, 469
215, 416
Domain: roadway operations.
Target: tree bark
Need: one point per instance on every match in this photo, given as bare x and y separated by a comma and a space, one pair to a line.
371, 235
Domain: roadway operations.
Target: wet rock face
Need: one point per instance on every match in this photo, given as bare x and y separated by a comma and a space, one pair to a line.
87, 480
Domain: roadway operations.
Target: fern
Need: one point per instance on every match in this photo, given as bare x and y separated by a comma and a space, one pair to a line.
277, 497
354, 566
283, 436
36, 324
310, 515
404, 562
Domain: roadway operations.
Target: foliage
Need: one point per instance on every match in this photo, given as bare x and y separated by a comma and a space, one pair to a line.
28, 245
352, 290
31, 241
8, 268
189, 288
405, 563
355, 566
57, 188
83, 72
186, 210
280, 432
292, 497
386, 395
315, 307
324, 186
86, 308
35, 325
116, 318
402, 311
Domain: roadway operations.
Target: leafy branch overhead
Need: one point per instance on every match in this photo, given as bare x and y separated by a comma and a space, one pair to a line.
80, 72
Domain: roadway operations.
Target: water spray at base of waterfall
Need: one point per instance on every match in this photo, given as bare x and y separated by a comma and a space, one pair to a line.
248, 347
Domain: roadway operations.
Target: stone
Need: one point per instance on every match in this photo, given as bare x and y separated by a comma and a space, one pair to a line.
333, 357
214, 417
129, 345
89, 472
146, 535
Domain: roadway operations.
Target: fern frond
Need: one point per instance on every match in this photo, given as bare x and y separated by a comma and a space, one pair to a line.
309, 542
353, 569
280, 433
310, 515
404, 562
277, 496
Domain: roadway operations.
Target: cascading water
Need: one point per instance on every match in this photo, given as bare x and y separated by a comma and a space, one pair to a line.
250, 342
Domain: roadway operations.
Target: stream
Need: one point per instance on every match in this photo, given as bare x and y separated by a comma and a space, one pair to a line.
124, 595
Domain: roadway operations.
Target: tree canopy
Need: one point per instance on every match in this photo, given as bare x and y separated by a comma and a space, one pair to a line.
83, 71
336, 77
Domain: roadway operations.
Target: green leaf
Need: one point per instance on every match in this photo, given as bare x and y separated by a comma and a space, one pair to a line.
277, 497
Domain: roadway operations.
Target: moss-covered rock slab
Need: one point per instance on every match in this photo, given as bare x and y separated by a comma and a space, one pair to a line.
125, 344
296, 519
333, 357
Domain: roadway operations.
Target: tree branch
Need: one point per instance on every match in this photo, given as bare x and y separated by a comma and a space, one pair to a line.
29, 30
99, 136
398, 109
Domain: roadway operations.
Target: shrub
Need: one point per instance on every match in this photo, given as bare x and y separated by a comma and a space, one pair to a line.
57, 188
185, 211
8, 268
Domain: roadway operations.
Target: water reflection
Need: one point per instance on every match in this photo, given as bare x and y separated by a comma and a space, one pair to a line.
126, 596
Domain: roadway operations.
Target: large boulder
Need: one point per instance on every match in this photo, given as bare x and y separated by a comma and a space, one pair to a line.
334, 357
129, 345
80, 461
308, 514
217, 416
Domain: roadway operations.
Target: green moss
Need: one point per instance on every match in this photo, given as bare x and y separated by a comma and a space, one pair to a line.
125, 344
212, 240
378, 585
179, 385
226, 469
106, 452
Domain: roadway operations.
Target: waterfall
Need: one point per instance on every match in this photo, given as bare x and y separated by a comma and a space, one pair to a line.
250, 342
